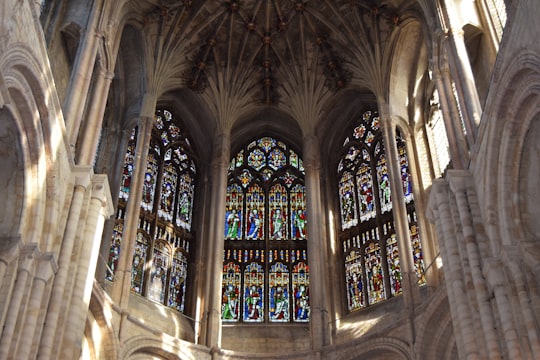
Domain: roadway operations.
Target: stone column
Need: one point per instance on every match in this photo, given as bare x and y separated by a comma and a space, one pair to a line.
16, 311
86, 150
122, 277
439, 217
460, 183
220, 163
82, 74
45, 268
100, 208
494, 271
57, 300
410, 286
512, 257
317, 254
455, 283
458, 147
463, 76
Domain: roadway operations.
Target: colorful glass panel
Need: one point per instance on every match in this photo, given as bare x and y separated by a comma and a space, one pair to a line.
168, 191
256, 159
385, 195
139, 262
185, 201
418, 257
298, 212
127, 173
278, 212
394, 268
300, 285
230, 303
365, 192
149, 184
278, 280
276, 159
114, 252
253, 293
354, 277
158, 273
233, 220
255, 213
374, 273
347, 201
177, 285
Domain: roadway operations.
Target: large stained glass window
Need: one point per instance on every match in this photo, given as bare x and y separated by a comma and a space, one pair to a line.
369, 240
265, 268
160, 261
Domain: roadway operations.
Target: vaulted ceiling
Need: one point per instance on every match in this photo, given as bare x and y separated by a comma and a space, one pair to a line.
302, 58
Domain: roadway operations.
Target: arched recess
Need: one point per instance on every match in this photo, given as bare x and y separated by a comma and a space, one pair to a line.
436, 333
407, 71
144, 347
100, 339
37, 136
381, 348
509, 148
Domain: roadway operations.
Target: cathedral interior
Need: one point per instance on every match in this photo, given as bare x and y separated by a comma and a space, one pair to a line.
269, 179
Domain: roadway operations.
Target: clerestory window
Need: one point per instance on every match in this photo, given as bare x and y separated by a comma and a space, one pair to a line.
265, 265
160, 261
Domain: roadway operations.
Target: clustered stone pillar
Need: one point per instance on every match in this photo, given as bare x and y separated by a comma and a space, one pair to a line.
461, 184
57, 300
317, 245
221, 158
463, 75
408, 272
99, 209
459, 306
122, 276
458, 146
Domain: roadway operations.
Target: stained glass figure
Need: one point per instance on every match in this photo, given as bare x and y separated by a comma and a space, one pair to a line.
365, 192
348, 201
384, 185
354, 276
394, 268
279, 292
230, 296
298, 213
127, 173
253, 293
114, 252
139, 262
158, 272
177, 286
300, 283
404, 171
418, 257
374, 273
185, 201
278, 212
149, 184
168, 191
255, 212
233, 220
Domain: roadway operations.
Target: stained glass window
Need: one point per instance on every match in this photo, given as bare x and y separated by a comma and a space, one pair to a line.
265, 269
160, 261
369, 241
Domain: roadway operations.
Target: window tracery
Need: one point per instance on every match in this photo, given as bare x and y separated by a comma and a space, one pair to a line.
368, 236
160, 261
265, 269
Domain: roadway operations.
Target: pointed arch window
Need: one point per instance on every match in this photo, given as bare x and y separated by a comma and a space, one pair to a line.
368, 237
160, 261
265, 265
